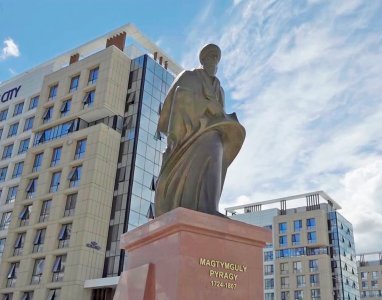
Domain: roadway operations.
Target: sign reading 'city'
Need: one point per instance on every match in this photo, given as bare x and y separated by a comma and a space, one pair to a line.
10, 94
223, 274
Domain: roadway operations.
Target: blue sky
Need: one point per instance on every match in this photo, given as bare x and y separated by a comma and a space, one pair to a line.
303, 77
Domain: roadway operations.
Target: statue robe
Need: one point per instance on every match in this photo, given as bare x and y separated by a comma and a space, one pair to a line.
202, 140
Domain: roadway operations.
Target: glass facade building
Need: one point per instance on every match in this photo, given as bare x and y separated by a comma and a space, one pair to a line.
313, 252
139, 157
89, 174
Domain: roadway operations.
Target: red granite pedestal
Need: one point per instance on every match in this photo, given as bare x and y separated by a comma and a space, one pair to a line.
184, 255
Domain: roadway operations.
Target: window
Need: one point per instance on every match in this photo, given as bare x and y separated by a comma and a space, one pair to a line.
93, 76
284, 282
269, 296
80, 149
313, 265
268, 255
8, 296
297, 225
12, 193
89, 99
316, 295
28, 123
39, 239
296, 239
312, 238
299, 295
58, 268
269, 283
300, 279
18, 109
24, 145
1, 132
64, 235
56, 157
3, 114
283, 241
284, 268
268, 269
74, 83
31, 188
374, 274
65, 107
282, 227
3, 173
45, 210
24, 215
18, 169
54, 294
55, 183
53, 92
314, 280
56, 132
47, 116
74, 176
27, 295
37, 162
297, 267
34, 102
12, 274
311, 223
19, 244
2, 246
37, 270
13, 129
285, 295
70, 205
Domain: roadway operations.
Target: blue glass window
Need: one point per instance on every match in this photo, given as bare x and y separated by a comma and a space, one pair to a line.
3, 173
312, 238
65, 107
268, 255
7, 151
283, 227
18, 109
24, 145
3, 114
37, 162
28, 123
80, 149
13, 129
12, 193
296, 239
53, 92
33, 103
311, 223
47, 116
93, 76
56, 157
55, 183
74, 176
283, 240
31, 188
18, 169
297, 225
74, 83
89, 99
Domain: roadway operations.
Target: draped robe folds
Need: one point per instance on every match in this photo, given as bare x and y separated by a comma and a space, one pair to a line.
202, 141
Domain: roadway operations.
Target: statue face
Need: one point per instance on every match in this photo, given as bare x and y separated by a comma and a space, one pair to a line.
210, 62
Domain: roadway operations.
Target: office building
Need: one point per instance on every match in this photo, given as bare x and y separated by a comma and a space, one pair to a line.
370, 275
313, 251
90, 171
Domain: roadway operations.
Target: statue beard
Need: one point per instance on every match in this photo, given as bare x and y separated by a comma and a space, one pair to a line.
211, 69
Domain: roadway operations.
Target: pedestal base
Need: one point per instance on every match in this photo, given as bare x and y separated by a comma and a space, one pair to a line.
184, 255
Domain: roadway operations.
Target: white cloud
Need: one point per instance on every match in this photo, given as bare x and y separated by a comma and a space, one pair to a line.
304, 80
10, 49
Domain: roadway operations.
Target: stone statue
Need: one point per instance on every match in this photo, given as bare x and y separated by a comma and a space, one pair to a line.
202, 140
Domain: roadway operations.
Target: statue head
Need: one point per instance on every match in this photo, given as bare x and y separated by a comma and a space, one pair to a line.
209, 57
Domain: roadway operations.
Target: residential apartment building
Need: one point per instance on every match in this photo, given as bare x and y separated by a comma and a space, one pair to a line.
370, 275
313, 251
89, 174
